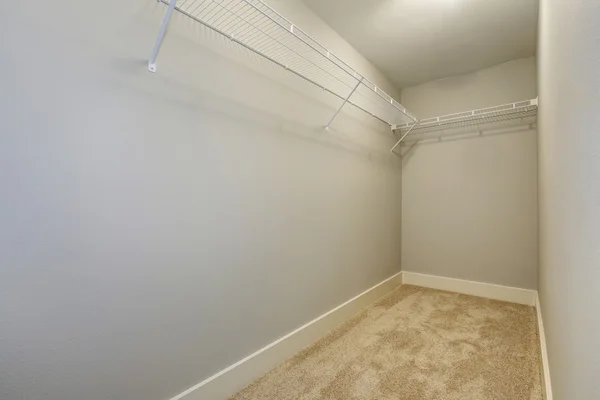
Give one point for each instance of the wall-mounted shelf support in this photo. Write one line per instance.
(343, 104)
(161, 36)
(403, 136)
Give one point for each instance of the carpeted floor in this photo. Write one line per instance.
(416, 344)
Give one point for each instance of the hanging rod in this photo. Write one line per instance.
(259, 28)
(522, 110)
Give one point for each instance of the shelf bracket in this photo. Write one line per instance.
(403, 136)
(343, 104)
(161, 35)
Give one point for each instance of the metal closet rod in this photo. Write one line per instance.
(385, 99)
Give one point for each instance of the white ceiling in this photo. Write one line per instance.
(416, 41)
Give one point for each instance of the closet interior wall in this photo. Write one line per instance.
(157, 228)
(569, 149)
(469, 204)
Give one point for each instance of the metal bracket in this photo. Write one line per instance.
(343, 104)
(403, 136)
(161, 35)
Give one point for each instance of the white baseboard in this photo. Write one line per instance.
(488, 290)
(235, 377)
(547, 385)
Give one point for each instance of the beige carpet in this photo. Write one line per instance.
(417, 344)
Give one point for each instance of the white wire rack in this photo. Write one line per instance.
(525, 111)
(259, 28)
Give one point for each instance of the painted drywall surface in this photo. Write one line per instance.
(469, 204)
(312, 24)
(157, 228)
(569, 189)
(505, 83)
(417, 41)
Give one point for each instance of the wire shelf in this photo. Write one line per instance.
(523, 110)
(259, 28)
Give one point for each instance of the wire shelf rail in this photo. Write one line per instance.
(259, 28)
(525, 111)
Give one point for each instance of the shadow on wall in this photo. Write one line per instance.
(409, 147)
(407, 150)
(342, 136)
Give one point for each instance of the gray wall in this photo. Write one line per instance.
(157, 228)
(469, 203)
(569, 154)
